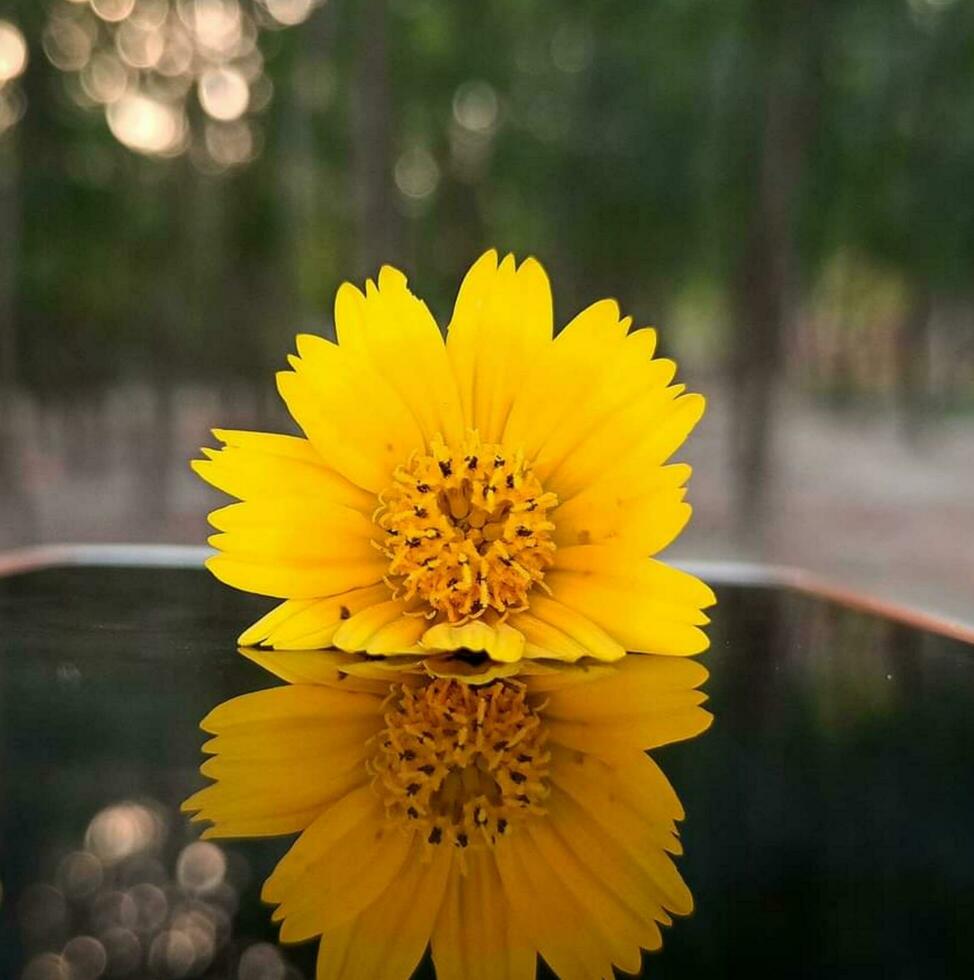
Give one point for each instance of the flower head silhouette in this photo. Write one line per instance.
(501, 491)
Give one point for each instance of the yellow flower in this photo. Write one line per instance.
(494, 822)
(501, 491)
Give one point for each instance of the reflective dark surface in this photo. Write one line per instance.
(829, 825)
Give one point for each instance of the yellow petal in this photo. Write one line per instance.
(562, 633)
(475, 936)
(552, 675)
(281, 756)
(622, 931)
(638, 800)
(310, 624)
(258, 465)
(607, 857)
(271, 621)
(280, 706)
(633, 428)
(634, 686)
(285, 580)
(282, 522)
(643, 604)
(356, 809)
(388, 939)
(465, 672)
(644, 518)
(563, 374)
(626, 391)
(287, 549)
(329, 667)
(644, 702)
(640, 873)
(399, 637)
(543, 640)
(501, 323)
(399, 335)
(548, 914)
(638, 467)
(499, 641)
(379, 628)
(326, 393)
(338, 867)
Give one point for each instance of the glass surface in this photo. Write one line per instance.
(828, 828)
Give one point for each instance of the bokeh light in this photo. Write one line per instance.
(141, 61)
(262, 961)
(79, 875)
(475, 107)
(122, 830)
(172, 954)
(123, 950)
(224, 93)
(13, 103)
(104, 79)
(112, 10)
(135, 902)
(68, 41)
(571, 49)
(417, 173)
(201, 867)
(138, 46)
(289, 12)
(147, 125)
(13, 61)
(47, 966)
(13, 52)
(85, 957)
(230, 144)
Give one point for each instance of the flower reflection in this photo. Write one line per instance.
(144, 62)
(493, 821)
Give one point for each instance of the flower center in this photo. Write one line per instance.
(466, 530)
(462, 764)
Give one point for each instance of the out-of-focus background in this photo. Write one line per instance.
(785, 189)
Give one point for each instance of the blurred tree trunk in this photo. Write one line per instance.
(300, 172)
(378, 218)
(15, 505)
(913, 361)
(762, 288)
(10, 217)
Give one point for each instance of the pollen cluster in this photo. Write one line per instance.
(466, 530)
(461, 764)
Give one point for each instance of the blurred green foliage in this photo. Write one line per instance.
(708, 163)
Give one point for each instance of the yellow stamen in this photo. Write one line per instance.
(466, 530)
(462, 764)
